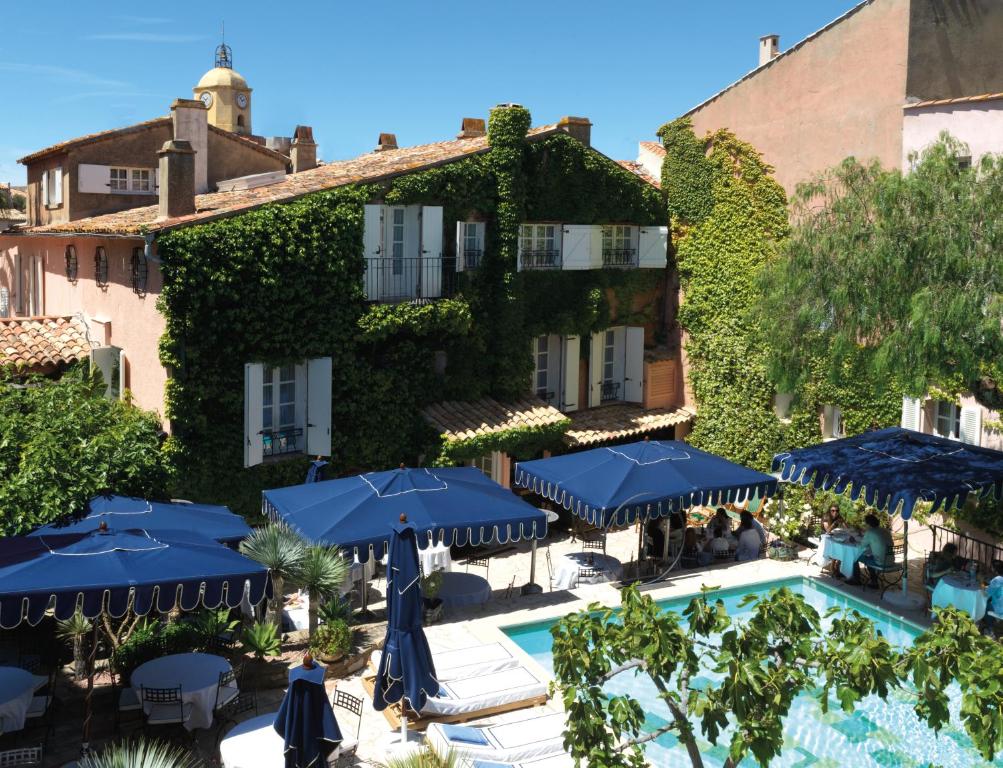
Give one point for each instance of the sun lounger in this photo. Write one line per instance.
(466, 662)
(485, 692)
(507, 743)
(556, 760)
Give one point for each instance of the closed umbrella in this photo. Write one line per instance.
(316, 472)
(305, 720)
(406, 673)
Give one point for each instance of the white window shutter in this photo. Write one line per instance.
(45, 187)
(595, 248)
(318, 407)
(652, 247)
(254, 374)
(554, 368)
(57, 197)
(372, 247)
(633, 377)
(431, 251)
(460, 240)
(94, 179)
(569, 365)
(122, 378)
(971, 425)
(911, 409)
(595, 368)
(577, 246)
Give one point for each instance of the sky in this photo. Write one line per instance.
(355, 70)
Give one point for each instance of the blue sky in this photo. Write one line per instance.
(353, 70)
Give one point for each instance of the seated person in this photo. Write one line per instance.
(720, 520)
(995, 590)
(749, 541)
(693, 554)
(877, 543)
(676, 521)
(832, 521)
(655, 538)
(942, 563)
(756, 525)
(719, 544)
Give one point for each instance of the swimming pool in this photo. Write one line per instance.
(883, 734)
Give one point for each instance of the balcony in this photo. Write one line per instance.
(610, 392)
(472, 259)
(406, 279)
(279, 442)
(550, 259)
(619, 258)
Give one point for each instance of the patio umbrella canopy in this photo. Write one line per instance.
(458, 505)
(613, 486)
(125, 512)
(894, 468)
(307, 725)
(112, 570)
(406, 671)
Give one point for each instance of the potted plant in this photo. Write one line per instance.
(331, 641)
(430, 586)
(784, 522)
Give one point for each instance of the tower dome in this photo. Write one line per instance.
(225, 94)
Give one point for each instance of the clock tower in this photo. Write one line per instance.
(225, 94)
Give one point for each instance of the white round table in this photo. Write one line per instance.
(17, 687)
(435, 558)
(567, 569)
(253, 743)
(838, 548)
(459, 590)
(957, 591)
(196, 673)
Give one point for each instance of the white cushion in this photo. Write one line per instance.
(167, 714)
(128, 700)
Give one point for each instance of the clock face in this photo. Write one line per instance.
(206, 98)
(242, 100)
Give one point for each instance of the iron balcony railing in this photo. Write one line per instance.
(983, 552)
(547, 259)
(610, 391)
(404, 279)
(472, 259)
(281, 441)
(619, 257)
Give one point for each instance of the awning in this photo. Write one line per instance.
(896, 466)
(612, 423)
(458, 420)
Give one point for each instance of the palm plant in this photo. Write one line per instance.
(140, 754)
(322, 572)
(75, 629)
(262, 639)
(281, 551)
(425, 757)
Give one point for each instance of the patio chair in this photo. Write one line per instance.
(243, 702)
(126, 700)
(462, 663)
(509, 742)
(595, 540)
(21, 756)
(479, 562)
(166, 707)
(349, 744)
(550, 570)
(510, 588)
(890, 574)
(588, 572)
(226, 689)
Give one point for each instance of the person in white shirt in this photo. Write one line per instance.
(749, 543)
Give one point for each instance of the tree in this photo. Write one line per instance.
(765, 661)
(321, 573)
(905, 266)
(280, 550)
(62, 442)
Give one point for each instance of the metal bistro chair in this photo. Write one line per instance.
(890, 574)
(510, 588)
(243, 702)
(595, 541)
(550, 570)
(126, 700)
(589, 572)
(479, 562)
(21, 756)
(226, 689)
(166, 707)
(354, 705)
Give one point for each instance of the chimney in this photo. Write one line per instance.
(303, 150)
(177, 179)
(578, 128)
(387, 141)
(472, 128)
(191, 124)
(769, 48)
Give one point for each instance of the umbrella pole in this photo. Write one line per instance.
(85, 747)
(532, 588)
(905, 556)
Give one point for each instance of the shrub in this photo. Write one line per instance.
(262, 639)
(332, 639)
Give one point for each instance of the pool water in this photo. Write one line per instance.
(883, 734)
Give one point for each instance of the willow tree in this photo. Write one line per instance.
(904, 266)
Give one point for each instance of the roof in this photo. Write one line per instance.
(224, 76)
(42, 343)
(640, 170)
(458, 420)
(370, 167)
(619, 421)
(115, 133)
(653, 146)
(960, 100)
(797, 46)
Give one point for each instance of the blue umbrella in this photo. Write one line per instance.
(316, 472)
(306, 722)
(124, 512)
(406, 673)
(613, 486)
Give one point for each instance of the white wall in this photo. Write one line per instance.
(977, 124)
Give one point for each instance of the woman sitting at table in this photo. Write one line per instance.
(655, 538)
(694, 555)
(749, 542)
(942, 563)
(719, 521)
(832, 521)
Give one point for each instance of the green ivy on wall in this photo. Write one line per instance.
(728, 216)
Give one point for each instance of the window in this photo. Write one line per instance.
(126, 180)
(485, 464)
(52, 187)
(72, 267)
(101, 267)
(832, 423)
(538, 246)
(140, 271)
(4, 301)
(472, 247)
(542, 365)
(964, 162)
(140, 180)
(618, 246)
(947, 420)
(397, 240)
(119, 180)
(608, 357)
(278, 411)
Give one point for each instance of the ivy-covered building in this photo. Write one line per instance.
(474, 300)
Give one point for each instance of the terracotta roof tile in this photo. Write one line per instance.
(464, 420)
(960, 100)
(90, 138)
(42, 343)
(653, 146)
(641, 171)
(366, 168)
(615, 422)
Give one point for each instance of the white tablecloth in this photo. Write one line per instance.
(196, 673)
(434, 558)
(254, 743)
(17, 687)
(844, 551)
(956, 591)
(566, 569)
(462, 589)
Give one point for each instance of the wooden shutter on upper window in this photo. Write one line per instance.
(971, 425)
(318, 407)
(576, 246)
(57, 180)
(372, 248)
(652, 247)
(912, 409)
(596, 349)
(254, 374)
(45, 188)
(94, 179)
(569, 373)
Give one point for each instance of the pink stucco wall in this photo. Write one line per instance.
(116, 315)
(977, 124)
(838, 94)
